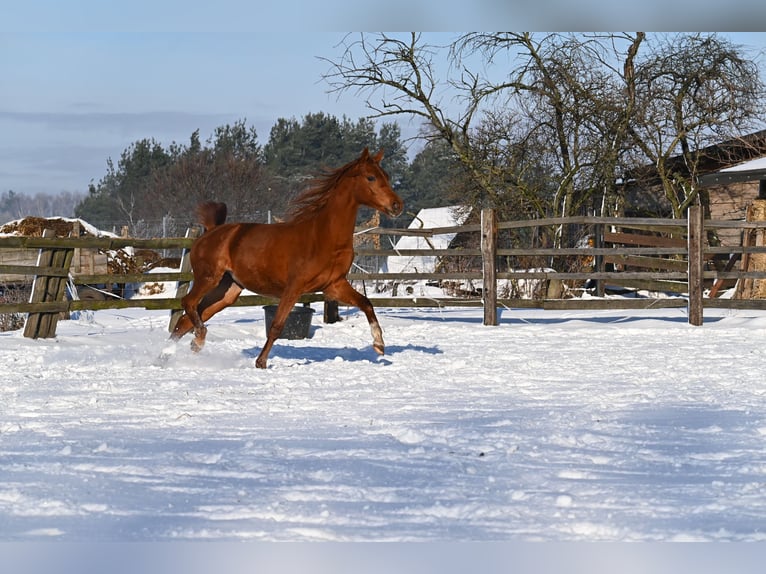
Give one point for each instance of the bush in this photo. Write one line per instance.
(13, 294)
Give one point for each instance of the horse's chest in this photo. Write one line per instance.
(341, 262)
(335, 265)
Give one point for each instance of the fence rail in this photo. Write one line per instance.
(634, 248)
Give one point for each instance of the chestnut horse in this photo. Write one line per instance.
(311, 251)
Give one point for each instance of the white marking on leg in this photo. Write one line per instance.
(377, 338)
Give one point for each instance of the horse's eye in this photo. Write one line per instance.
(370, 178)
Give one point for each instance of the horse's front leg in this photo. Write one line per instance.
(342, 291)
(277, 324)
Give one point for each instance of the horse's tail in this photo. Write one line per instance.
(211, 214)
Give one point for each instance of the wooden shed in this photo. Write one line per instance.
(729, 196)
(752, 174)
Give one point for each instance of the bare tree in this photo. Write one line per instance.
(569, 89)
(570, 116)
(403, 73)
(533, 140)
(692, 91)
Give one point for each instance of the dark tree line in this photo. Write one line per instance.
(154, 190)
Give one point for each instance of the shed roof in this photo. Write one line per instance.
(752, 170)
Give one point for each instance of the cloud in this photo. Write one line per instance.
(155, 124)
(50, 152)
(52, 169)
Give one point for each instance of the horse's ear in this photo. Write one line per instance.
(365, 154)
(378, 156)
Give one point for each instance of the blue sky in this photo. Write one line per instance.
(82, 80)
(71, 100)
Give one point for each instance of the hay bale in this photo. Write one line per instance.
(34, 227)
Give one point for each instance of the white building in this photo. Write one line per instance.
(427, 219)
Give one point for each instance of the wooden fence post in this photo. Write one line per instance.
(599, 266)
(488, 263)
(696, 263)
(183, 286)
(331, 311)
(45, 289)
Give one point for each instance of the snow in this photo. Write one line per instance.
(552, 426)
(757, 163)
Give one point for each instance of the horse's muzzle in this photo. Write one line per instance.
(396, 209)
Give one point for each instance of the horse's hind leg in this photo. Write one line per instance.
(214, 301)
(190, 303)
(342, 291)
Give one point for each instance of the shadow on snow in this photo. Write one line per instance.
(317, 354)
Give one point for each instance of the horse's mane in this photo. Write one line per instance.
(313, 199)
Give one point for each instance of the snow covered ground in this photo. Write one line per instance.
(553, 426)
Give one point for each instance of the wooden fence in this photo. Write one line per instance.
(663, 255)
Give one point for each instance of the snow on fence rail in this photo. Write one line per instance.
(618, 255)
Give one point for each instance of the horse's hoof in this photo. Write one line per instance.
(379, 349)
(196, 346)
(260, 364)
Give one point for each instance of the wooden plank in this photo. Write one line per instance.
(641, 239)
(106, 243)
(590, 251)
(476, 275)
(634, 222)
(745, 248)
(611, 304)
(132, 278)
(154, 304)
(18, 256)
(647, 262)
(416, 252)
(658, 286)
(734, 224)
(28, 271)
(679, 229)
(735, 303)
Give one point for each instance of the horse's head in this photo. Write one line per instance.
(372, 187)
